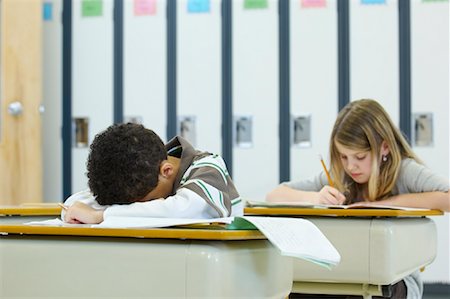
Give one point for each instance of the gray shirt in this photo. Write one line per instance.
(413, 178)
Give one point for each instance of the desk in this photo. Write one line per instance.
(377, 247)
(29, 212)
(83, 262)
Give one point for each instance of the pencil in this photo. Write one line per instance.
(62, 206)
(330, 182)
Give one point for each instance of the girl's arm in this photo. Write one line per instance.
(428, 200)
(327, 195)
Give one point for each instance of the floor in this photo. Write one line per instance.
(433, 294)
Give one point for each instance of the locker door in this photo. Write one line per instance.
(374, 62)
(430, 95)
(255, 97)
(199, 86)
(52, 101)
(145, 61)
(314, 85)
(92, 67)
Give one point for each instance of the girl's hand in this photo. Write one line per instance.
(330, 196)
(82, 213)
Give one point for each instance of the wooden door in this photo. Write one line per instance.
(20, 98)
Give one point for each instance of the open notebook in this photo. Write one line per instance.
(307, 205)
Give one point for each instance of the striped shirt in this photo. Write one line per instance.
(202, 189)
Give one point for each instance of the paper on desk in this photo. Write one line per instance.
(148, 222)
(51, 222)
(298, 238)
(134, 222)
(55, 222)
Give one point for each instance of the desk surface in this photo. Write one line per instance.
(37, 209)
(49, 209)
(193, 233)
(292, 211)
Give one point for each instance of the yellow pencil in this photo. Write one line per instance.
(62, 206)
(330, 182)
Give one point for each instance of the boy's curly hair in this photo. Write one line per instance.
(123, 163)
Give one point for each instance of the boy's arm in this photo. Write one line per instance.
(85, 198)
(184, 204)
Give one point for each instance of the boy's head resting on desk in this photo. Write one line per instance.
(129, 163)
(367, 148)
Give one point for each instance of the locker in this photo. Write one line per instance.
(374, 54)
(92, 78)
(199, 74)
(255, 96)
(314, 83)
(430, 95)
(145, 65)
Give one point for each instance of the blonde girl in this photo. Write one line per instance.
(371, 162)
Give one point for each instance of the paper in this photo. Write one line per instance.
(148, 222)
(135, 222)
(144, 7)
(92, 8)
(298, 238)
(373, 1)
(313, 3)
(255, 4)
(198, 6)
(47, 11)
(55, 222)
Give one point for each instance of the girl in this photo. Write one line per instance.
(371, 162)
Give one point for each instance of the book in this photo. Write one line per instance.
(308, 205)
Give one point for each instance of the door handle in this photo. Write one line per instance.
(15, 108)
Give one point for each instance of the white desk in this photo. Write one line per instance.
(45, 262)
(375, 250)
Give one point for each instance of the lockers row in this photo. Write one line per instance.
(221, 75)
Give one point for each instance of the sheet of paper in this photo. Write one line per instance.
(135, 222)
(147, 222)
(55, 222)
(298, 238)
(51, 222)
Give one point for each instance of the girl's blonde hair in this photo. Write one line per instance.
(363, 125)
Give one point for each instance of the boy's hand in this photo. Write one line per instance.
(82, 213)
(330, 196)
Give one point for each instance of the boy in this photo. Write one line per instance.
(131, 173)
